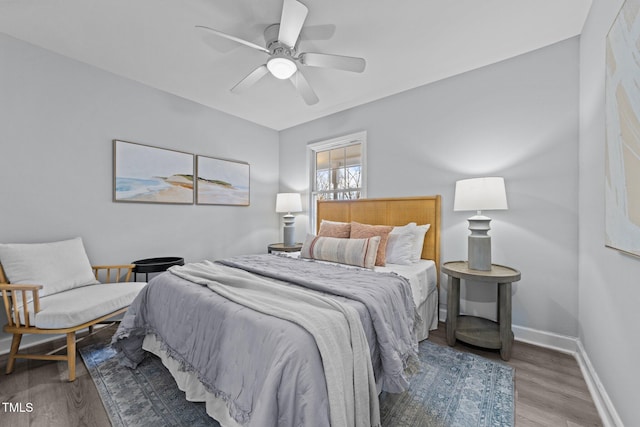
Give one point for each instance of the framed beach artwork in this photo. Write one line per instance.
(222, 182)
(146, 174)
(622, 155)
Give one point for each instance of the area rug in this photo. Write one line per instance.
(448, 388)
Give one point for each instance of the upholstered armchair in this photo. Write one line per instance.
(51, 288)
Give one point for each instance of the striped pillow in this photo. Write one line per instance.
(359, 252)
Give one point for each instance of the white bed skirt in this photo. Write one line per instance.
(429, 314)
(189, 383)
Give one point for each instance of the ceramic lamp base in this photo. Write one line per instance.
(479, 243)
(289, 230)
(479, 253)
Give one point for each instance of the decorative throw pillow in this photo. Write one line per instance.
(418, 242)
(57, 266)
(359, 252)
(340, 230)
(363, 231)
(400, 245)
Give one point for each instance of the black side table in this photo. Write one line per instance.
(154, 265)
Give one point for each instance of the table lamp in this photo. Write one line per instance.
(479, 194)
(288, 202)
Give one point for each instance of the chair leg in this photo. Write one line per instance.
(15, 344)
(71, 355)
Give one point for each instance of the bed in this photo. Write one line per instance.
(263, 354)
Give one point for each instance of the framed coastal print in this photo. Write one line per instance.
(622, 155)
(222, 182)
(146, 174)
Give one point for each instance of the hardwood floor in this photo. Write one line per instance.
(55, 401)
(550, 389)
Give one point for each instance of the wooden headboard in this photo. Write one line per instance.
(392, 211)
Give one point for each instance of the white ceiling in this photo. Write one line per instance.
(407, 43)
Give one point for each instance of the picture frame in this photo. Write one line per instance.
(222, 181)
(147, 174)
(622, 151)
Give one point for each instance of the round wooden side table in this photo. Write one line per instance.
(281, 247)
(477, 330)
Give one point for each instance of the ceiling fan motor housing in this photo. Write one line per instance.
(282, 58)
(273, 44)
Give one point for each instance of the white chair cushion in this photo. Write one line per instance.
(57, 266)
(80, 305)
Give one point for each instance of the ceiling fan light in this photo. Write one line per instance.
(281, 68)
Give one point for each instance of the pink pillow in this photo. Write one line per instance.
(364, 231)
(340, 230)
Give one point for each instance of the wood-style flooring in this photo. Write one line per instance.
(550, 389)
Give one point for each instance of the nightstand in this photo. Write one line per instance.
(477, 330)
(280, 247)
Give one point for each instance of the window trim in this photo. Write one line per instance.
(329, 144)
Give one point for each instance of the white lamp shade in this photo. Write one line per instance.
(288, 202)
(479, 194)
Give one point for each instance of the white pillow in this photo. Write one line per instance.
(359, 252)
(418, 235)
(400, 245)
(57, 266)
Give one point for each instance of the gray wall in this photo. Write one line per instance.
(57, 120)
(517, 119)
(609, 280)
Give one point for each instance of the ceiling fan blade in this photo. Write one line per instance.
(302, 86)
(346, 63)
(318, 32)
(293, 15)
(251, 79)
(234, 38)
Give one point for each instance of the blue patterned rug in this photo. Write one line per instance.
(448, 388)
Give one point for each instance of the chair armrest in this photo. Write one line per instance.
(11, 305)
(119, 269)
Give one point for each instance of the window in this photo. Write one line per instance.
(337, 170)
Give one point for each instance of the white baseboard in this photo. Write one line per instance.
(550, 340)
(573, 346)
(604, 405)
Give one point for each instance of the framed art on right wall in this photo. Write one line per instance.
(622, 155)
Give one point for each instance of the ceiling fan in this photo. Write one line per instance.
(284, 60)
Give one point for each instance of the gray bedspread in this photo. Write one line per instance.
(264, 367)
(387, 298)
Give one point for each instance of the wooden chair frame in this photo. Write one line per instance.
(14, 326)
